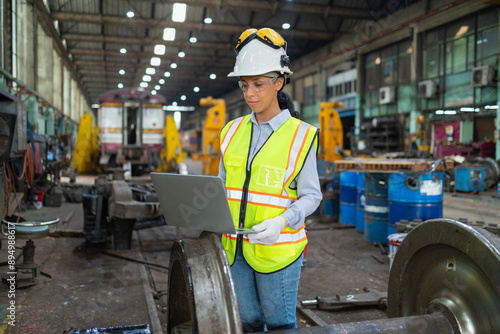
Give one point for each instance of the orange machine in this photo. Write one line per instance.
(214, 122)
(331, 140)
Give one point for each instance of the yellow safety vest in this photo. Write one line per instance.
(264, 191)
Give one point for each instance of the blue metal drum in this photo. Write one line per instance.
(414, 196)
(360, 203)
(347, 207)
(329, 200)
(376, 209)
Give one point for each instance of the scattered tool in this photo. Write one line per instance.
(368, 298)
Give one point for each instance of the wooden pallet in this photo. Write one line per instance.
(392, 165)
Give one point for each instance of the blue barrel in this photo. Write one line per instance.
(347, 202)
(376, 209)
(360, 203)
(414, 196)
(330, 203)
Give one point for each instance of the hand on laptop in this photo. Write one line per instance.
(269, 231)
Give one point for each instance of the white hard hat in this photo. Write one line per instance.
(257, 58)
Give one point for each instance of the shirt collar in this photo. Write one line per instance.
(276, 121)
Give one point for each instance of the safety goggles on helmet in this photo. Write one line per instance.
(266, 35)
(257, 86)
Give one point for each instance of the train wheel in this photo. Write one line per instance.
(201, 296)
(449, 267)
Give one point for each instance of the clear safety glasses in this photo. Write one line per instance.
(265, 35)
(256, 86)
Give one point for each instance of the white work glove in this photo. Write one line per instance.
(269, 231)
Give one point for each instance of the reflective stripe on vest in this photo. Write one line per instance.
(228, 136)
(260, 199)
(284, 238)
(298, 143)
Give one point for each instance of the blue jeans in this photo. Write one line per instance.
(266, 300)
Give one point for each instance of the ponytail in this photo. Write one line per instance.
(285, 102)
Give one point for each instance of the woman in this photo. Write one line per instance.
(268, 165)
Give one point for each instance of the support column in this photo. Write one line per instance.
(497, 119)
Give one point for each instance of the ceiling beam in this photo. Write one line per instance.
(147, 55)
(145, 62)
(184, 26)
(137, 40)
(267, 6)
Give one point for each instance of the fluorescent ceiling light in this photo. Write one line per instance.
(130, 14)
(159, 49)
(439, 112)
(161, 81)
(174, 104)
(450, 112)
(120, 85)
(169, 34)
(196, 89)
(193, 39)
(178, 108)
(491, 107)
(183, 97)
(95, 105)
(179, 12)
(469, 109)
(181, 54)
(122, 72)
(153, 92)
(150, 70)
(146, 78)
(143, 84)
(207, 20)
(213, 76)
(286, 26)
(173, 65)
(123, 50)
(155, 61)
(167, 74)
(461, 31)
(157, 87)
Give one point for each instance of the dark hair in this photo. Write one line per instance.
(285, 102)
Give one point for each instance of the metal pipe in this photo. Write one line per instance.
(435, 323)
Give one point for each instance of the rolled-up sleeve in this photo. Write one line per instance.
(308, 193)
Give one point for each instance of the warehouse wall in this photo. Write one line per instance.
(38, 66)
(402, 42)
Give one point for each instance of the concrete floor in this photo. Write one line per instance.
(90, 290)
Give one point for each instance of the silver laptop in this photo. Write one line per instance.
(196, 202)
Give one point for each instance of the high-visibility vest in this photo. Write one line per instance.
(264, 191)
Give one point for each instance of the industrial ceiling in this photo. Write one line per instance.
(110, 43)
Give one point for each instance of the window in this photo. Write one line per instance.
(309, 95)
(338, 90)
(330, 91)
(487, 43)
(347, 87)
(431, 62)
(388, 66)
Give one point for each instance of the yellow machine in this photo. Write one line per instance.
(86, 154)
(331, 137)
(214, 122)
(171, 153)
(421, 133)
